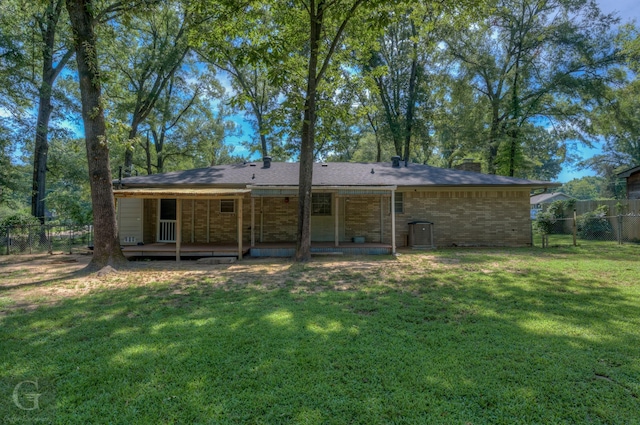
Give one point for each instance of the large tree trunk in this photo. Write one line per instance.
(392, 117)
(128, 154)
(147, 152)
(515, 105)
(49, 26)
(411, 101)
(106, 241)
(263, 137)
(492, 151)
(316, 17)
(303, 242)
(40, 153)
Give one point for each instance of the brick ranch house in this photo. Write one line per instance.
(357, 208)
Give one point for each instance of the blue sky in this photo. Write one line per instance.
(628, 10)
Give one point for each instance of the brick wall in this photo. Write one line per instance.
(187, 222)
(150, 224)
(362, 217)
(460, 217)
(200, 213)
(468, 218)
(280, 219)
(223, 227)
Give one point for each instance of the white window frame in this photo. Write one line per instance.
(321, 204)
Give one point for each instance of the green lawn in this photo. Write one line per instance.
(453, 337)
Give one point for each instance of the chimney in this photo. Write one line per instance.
(469, 164)
(266, 162)
(395, 161)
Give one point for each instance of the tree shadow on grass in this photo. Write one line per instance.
(434, 348)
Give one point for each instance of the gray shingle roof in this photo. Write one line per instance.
(627, 173)
(329, 174)
(549, 197)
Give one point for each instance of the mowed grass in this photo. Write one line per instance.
(448, 337)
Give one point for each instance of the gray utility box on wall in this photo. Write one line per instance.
(421, 235)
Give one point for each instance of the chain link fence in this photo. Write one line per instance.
(32, 239)
(588, 228)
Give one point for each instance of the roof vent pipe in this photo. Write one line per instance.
(266, 162)
(395, 161)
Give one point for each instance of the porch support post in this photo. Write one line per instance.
(239, 228)
(193, 220)
(158, 220)
(393, 222)
(253, 221)
(381, 219)
(118, 215)
(337, 225)
(208, 220)
(178, 227)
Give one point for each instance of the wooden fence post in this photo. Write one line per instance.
(619, 229)
(575, 228)
(50, 244)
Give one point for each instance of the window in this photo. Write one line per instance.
(320, 204)
(399, 203)
(227, 205)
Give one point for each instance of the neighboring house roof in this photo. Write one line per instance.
(328, 174)
(627, 173)
(545, 198)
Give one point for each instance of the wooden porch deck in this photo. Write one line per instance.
(288, 249)
(283, 249)
(186, 250)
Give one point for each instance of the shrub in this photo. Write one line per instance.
(544, 222)
(551, 222)
(562, 209)
(594, 224)
(18, 219)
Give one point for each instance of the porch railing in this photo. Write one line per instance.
(167, 231)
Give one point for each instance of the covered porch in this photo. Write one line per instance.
(344, 219)
(255, 220)
(170, 239)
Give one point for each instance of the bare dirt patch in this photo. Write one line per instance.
(28, 281)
